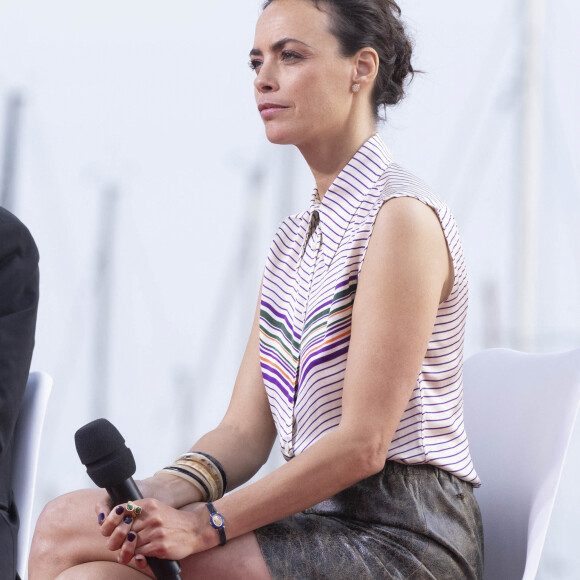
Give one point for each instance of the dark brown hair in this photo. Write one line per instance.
(376, 24)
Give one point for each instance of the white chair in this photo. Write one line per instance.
(520, 411)
(26, 451)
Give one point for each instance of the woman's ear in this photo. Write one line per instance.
(366, 62)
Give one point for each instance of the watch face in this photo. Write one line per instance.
(217, 520)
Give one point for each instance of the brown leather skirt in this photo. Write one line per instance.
(407, 522)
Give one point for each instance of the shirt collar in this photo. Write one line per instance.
(354, 185)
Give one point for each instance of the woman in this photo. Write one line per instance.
(354, 357)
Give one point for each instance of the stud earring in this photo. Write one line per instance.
(355, 88)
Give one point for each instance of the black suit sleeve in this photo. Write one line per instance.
(18, 307)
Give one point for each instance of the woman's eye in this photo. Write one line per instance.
(254, 64)
(290, 55)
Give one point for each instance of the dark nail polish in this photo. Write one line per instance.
(127, 519)
(131, 536)
(101, 518)
(120, 509)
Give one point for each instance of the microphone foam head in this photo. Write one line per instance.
(102, 450)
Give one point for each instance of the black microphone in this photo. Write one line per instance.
(110, 464)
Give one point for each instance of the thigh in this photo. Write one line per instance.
(100, 570)
(240, 559)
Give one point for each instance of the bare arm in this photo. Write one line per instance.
(241, 442)
(406, 274)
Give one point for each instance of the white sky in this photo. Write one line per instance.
(157, 99)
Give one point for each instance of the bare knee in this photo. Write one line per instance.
(65, 527)
(50, 533)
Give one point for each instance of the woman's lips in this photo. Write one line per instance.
(270, 109)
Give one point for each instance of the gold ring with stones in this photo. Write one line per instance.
(132, 509)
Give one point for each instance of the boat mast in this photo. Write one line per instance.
(531, 170)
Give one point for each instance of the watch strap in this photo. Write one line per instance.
(217, 521)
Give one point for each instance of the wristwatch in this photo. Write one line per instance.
(217, 521)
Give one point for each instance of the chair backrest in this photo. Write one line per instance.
(26, 450)
(520, 411)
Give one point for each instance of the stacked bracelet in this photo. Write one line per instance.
(204, 472)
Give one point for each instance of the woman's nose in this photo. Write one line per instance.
(265, 81)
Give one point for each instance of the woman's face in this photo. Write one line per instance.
(303, 84)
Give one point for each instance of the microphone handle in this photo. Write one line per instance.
(128, 491)
(124, 492)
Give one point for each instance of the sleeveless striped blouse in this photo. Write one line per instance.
(308, 291)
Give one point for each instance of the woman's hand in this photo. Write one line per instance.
(103, 505)
(160, 531)
(151, 487)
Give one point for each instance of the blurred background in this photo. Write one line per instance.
(132, 149)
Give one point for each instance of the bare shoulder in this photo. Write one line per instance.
(410, 216)
(408, 239)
